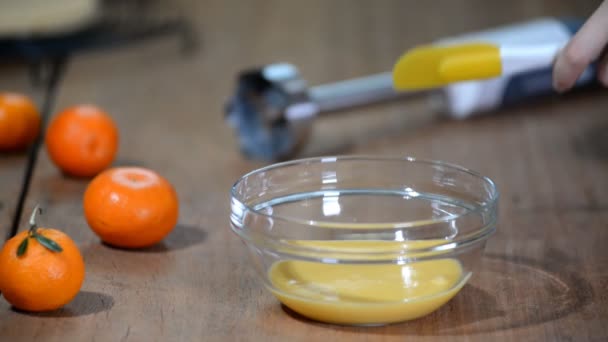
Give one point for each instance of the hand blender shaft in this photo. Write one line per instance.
(352, 93)
(273, 109)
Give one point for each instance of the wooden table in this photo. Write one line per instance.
(545, 272)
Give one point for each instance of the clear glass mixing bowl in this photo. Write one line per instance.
(364, 240)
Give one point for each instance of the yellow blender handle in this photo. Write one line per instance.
(431, 66)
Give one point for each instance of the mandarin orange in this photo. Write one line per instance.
(19, 122)
(82, 140)
(131, 207)
(40, 269)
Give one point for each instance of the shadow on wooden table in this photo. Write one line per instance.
(182, 236)
(543, 291)
(594, 143)
(85, 303)
(369, 125)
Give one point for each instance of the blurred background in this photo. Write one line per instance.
(176, 62)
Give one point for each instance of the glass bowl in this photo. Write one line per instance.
(364, 240)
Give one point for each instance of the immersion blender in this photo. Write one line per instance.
(272, 110)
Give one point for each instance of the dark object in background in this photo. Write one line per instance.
(114, 23)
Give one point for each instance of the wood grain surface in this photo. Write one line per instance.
(545, 271)
(13, 78)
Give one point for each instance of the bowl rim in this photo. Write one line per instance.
(482, 232)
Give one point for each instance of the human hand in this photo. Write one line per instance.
(584, 47)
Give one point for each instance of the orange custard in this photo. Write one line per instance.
(366, 294)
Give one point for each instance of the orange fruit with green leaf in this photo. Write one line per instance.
(41, 269)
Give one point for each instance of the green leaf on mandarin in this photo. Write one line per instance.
(22, 246)
(48, 243)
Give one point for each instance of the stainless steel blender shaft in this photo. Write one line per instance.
(355, 92)
(272, 110)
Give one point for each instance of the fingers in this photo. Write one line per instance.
(583, 48)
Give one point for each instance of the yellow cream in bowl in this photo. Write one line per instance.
(366, 294)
